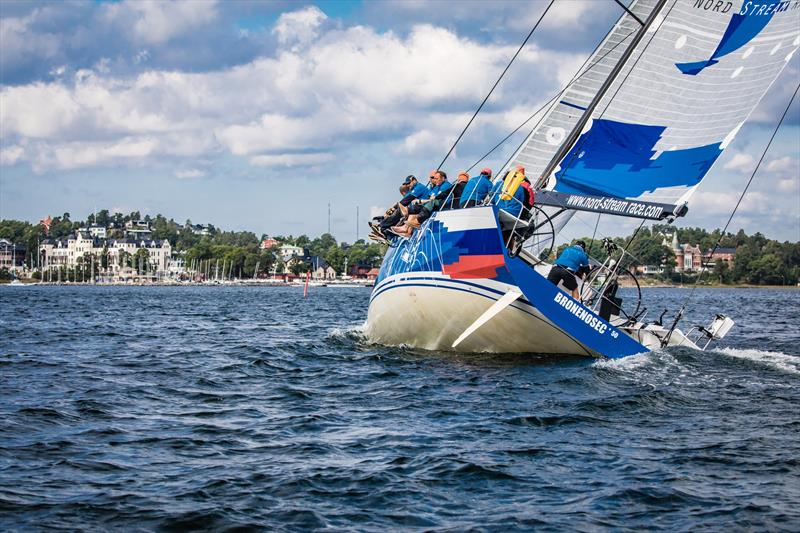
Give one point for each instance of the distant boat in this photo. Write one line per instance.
(667, 91)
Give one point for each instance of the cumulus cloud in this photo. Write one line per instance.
(83, 154)
(299, 27)
(155, 22)
(785, 164)
(352, 85)
(740, 162)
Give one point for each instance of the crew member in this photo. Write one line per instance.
(571, 264)
(416, 191)
(477, 188)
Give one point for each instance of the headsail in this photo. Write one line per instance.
(680, 99)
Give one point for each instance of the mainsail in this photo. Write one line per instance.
(679, 100)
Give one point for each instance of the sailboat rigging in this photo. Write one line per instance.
(634, 139)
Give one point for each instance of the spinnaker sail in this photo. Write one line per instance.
(680, 99)
(545, 140)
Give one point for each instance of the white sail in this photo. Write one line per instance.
(543, 143)
(680, 99)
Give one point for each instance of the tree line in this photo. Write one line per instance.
(758, 260)
(239, 251)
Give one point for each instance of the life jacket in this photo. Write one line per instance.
(511, 183)
(529, 194)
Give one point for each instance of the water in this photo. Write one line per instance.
(172, 408)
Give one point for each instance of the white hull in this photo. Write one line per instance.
(429, 311)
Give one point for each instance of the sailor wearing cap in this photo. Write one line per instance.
(477, 188)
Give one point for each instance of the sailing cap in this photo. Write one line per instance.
(409, 178)
(487, 171)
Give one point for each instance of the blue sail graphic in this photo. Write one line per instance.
(618, 159)
(740, 31)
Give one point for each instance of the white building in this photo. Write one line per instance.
(138, 229)
(287, 251)
(120, 252)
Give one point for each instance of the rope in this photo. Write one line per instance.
(730, 218)
(496, 84)
(546, 104)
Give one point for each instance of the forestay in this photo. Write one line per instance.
(680, 99)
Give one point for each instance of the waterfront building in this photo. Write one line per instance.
(12, 256)
(726, 255)
(115, 253)
(320, 269)
(688, 258)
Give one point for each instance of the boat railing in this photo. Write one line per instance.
(530, 229)
(599, 290)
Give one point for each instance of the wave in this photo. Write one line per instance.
(777, 360)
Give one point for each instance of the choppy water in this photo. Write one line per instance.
(219, 408)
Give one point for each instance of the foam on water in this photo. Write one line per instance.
(777, 360)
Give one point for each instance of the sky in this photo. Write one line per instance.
(258, 115)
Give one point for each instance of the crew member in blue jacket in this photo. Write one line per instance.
(416, 191)
(513, 206)
(570, 264)
(477, 188)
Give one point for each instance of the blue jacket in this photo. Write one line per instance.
(419, 192)
(573, 258)
(442, 190)
(513, 206)
(476, 189)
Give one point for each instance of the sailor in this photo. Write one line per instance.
(572, 262)
(453, 201)
(421, 210)
(477, 188)
(416, 191)
(529, 196)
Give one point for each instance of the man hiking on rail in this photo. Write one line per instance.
(570, 264)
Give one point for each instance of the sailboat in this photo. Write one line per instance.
(633, 135)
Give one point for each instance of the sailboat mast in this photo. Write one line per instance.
(572, 138)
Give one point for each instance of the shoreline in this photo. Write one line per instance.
(354, 284)
(314, 284)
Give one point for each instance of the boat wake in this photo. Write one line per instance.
(352, 333)
(776, 360)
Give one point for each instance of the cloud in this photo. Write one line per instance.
(299, 27)
(10, 155)
(291, 160)
(190, 174)
(740, 162)
(80, 154)
(789, 185)
(785, 164)
(155, 22)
